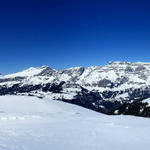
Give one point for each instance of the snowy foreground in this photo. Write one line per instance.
(29, 123)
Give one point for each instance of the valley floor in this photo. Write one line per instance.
(29, 123)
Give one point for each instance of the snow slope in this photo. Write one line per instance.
(29, 123)
(29, 72)
(147, 101)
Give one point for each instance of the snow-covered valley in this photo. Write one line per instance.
(30, 123)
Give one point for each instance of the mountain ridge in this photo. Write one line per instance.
(101, 88)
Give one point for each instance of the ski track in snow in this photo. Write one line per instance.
(51, 125)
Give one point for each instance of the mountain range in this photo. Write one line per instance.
(117, 88)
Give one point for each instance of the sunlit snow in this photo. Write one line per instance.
(29, 123)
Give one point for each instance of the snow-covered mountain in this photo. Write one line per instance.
(30, 123)
(102, 88)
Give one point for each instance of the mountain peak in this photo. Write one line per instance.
(29, 72)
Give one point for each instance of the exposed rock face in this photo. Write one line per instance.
(104, 83)
(101, 88)
(46, 72)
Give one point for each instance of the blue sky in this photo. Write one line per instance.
(66, 33)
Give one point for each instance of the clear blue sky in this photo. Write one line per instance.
(66, 33)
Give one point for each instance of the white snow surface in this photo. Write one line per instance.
(147, 101)
(29, 123)
(29, 72)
